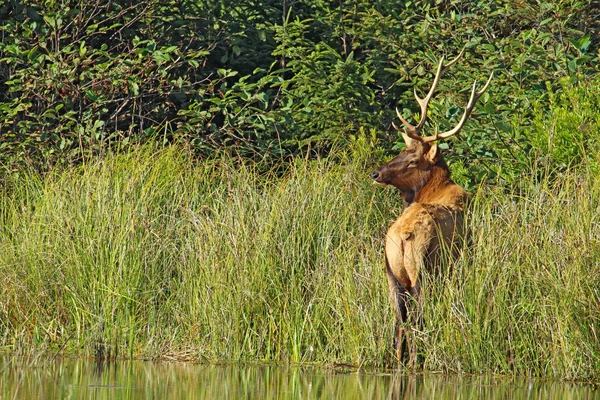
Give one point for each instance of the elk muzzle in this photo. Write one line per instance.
(378, 178)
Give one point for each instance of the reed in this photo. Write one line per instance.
(152, 254)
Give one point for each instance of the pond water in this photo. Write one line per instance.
(85, 379)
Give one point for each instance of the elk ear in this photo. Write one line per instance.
(433, 155)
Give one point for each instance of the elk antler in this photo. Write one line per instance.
(413, 132)
(470, 106)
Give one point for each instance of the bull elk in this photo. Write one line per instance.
(433, 213)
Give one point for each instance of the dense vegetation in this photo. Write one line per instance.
(278, 78)
(188, 179)
(148, 255)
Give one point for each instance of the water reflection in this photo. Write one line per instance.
(75, 379)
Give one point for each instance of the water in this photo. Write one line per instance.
(85, 379)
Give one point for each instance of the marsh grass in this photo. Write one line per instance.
(525, 297)
(154, 255)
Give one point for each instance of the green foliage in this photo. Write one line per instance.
(269, 79)
(567, 132)
(328, 94)
(214, 260)
(80, 76)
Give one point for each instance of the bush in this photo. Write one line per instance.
(269, 80)
(567, 131)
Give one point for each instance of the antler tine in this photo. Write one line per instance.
(405, 122)
(470, 106)
(424, 103)
(451, 63)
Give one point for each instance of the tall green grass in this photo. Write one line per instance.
(149, 254)
(152, 254)
(525, 298)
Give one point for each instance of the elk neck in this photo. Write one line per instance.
(435, 185)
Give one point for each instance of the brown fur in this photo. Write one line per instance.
(433, 215)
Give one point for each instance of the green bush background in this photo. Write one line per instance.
(273, 79)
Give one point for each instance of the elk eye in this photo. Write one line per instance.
(413, 163)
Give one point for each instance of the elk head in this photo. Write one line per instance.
(411, 169)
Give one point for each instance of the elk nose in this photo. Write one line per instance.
(374, 175)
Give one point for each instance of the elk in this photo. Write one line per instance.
(433, 216)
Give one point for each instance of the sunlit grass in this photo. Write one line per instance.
(524, 299)
(152, 254)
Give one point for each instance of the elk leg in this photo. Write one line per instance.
(398, 299)
(417, 321)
